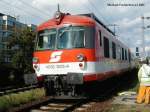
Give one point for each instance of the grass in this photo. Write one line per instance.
(15, 99)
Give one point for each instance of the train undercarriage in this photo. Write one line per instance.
(59, 85)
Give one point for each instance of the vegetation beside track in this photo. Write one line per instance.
(15, 99)
(21, 44)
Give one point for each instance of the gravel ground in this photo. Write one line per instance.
(114, 105)
(129, 108)
(98, 106)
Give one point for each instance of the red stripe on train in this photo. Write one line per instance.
(66, 56)
(103, 76)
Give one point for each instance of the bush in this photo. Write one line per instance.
(10, 76)
(14, 99)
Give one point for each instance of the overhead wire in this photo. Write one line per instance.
(36, 9)
(97, 10)
(44, 13)
(86, 7)
(5, 8)
(27, 12)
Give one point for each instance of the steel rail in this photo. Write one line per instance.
(10, 90)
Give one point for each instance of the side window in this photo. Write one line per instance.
(122, 53)
(113, 50)
(125, 54)
(106, 47)
(119, 52)
(100, 38)
(129, 55)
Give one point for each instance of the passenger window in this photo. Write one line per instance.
(100, 38)
(106, 47)
(122, 53)
(125, 54)
(119, 52)
(129, 55)
(113, 50)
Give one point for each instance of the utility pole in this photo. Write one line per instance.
(143, 32)
(143, 36)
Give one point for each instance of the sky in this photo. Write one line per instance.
(127, 18)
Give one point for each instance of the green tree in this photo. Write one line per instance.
(22, 45)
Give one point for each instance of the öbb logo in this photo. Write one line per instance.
(55, 56)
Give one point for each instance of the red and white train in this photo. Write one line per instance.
(73, 50)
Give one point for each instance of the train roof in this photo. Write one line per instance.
(67, 19)
(91, 15)
(75, 18)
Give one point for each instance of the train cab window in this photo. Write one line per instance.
(122, 53)
(113, 50)
(106, 47)
(71, 37)
(46, 39)
(125, 54)
(75, 37)
(100, 38)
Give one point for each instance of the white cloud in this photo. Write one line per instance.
(138, 42)
(53, 3)
(147, 48)
(127, 22)
(147, 37)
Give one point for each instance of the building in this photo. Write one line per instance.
(8, 26)
(1, 45)
(137, 52)
(1, 20)
(32, 26)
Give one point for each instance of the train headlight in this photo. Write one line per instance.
(81, 57)
(35, 60)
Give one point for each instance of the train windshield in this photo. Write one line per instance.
(71, 37)
(66, 38)
(47, 39)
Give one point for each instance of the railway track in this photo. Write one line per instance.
(8, 90)
(60, 105)
(72, 105)
(68, 104)
(51, 104)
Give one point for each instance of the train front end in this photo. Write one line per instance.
(64, 56)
